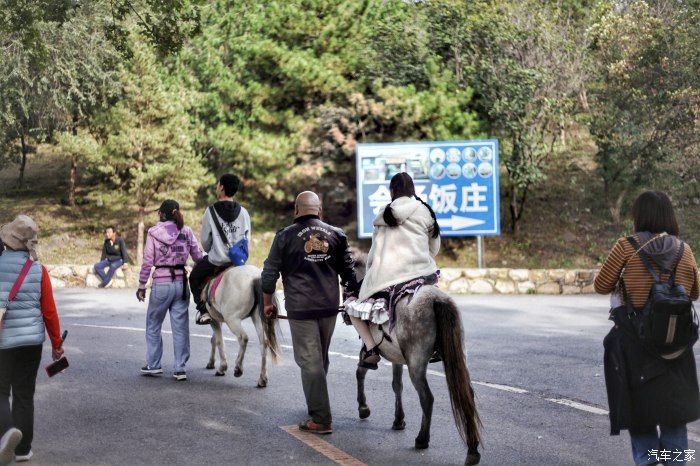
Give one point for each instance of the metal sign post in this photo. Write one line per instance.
(480, 252)
(459, 179)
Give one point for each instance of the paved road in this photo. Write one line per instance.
(524, 352)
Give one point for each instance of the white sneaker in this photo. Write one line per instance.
(8, 443)
(23, 458)
(145, 370)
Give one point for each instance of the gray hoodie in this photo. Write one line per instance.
(662, 251)
(235, 221)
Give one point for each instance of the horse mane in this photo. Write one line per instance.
(359, 257)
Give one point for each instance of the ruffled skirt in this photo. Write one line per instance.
(372, 310)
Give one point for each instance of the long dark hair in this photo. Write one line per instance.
(653, 212)
(402, 185)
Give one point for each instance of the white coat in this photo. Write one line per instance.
(403, 252)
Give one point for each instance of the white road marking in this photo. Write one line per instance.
(578, 405)
(506, 388)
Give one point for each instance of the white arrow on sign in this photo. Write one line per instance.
(457, 222)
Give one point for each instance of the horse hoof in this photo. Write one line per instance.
(364, 412)
(473, 458)
(262, 383)
(399, 425)
(220, 374)
(237, 372)
(422, 445)
(210, 365)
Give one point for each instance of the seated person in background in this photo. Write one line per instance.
(114, 255)
(233, 220)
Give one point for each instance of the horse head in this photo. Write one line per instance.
(359, 258)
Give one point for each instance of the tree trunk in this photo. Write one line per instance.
(616, 208)
(515, 211)
(142, 211)
(23, 164)
(71, 184)
(459, 68)
(73, 170)
(139, 244)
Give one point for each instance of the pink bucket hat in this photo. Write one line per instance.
(21, 235)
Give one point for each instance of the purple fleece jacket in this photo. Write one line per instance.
(166, 245)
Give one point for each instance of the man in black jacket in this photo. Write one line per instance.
(310, 255)
(114, 255)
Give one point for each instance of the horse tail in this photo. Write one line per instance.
(449, 341)
(268, 324)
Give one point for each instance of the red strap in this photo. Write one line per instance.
(18, 284)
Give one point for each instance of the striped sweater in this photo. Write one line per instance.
(637, 278)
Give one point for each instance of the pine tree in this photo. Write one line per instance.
(146, 140)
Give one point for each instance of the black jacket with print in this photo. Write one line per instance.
(310, 255)
(115, 251)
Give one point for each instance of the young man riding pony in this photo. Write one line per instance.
(224, 216)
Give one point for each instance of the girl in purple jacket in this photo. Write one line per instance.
(168, 245)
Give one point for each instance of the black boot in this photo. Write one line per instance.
(369, 359)
(203, 317)
(435, 357)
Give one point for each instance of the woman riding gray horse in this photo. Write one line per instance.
(405, 241)
(403, 317)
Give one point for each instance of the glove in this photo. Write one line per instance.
(141, 294)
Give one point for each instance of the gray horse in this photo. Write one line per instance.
(428, 321)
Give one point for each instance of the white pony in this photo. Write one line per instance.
(239, 296)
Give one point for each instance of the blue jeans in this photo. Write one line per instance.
(167, 297)
(648, 447)
(113, 266)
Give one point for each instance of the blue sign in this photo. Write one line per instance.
(459, 179)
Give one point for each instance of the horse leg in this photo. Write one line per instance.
(212, 356)
(361, 400)
(397, 385)
(417, 370)
(262, 381)
(235, 325)
(223, 361)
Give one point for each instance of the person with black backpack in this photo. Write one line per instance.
(650, 371)
(225, 234)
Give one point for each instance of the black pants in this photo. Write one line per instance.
(200, 272)
(18, 368)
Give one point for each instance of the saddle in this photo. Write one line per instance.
(212, 284)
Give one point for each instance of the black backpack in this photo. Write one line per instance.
(667, 324)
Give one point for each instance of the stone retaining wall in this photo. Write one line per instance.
(461, 281)
(517, 281)
(63, 276)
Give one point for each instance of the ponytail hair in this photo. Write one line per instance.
(389, 218)
(400, 185)
(435, 230)
(178, 219)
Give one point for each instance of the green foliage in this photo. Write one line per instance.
(645, 95)
(521, 60)
(57, 86)
(285, 90)
(145, 139)
(166, 24)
